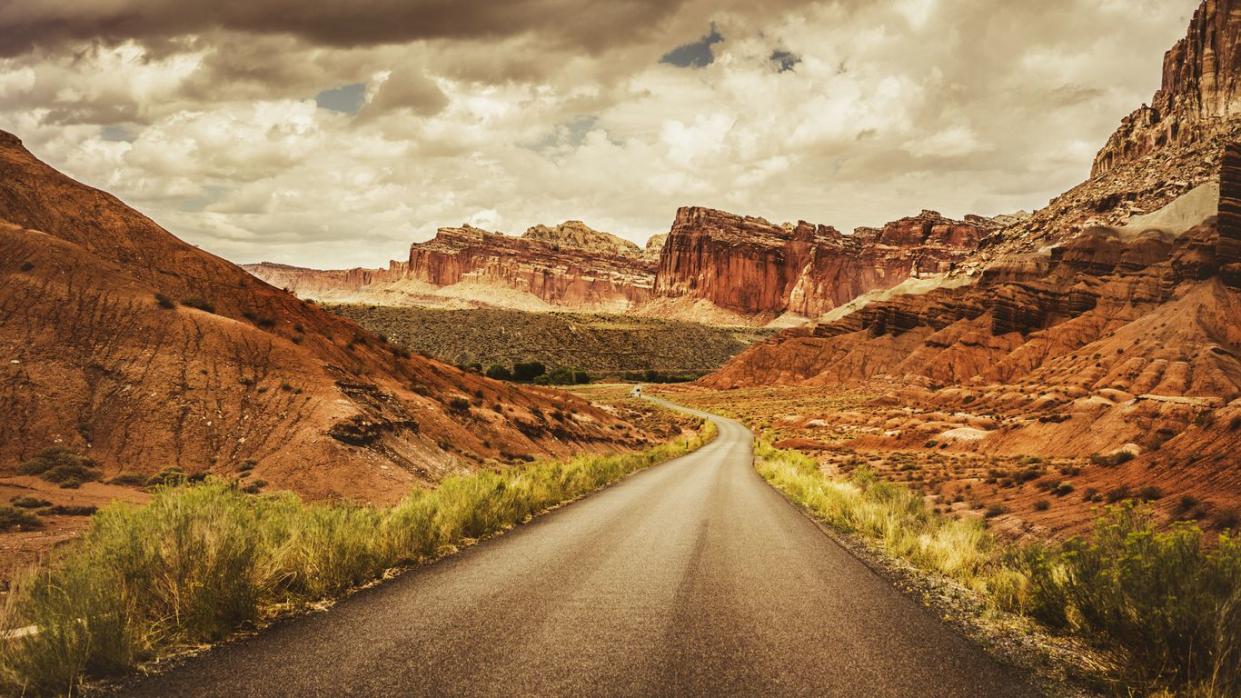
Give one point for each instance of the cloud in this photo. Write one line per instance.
(847, 112)
(784, 60)
(27, 24)
(696, 54)
(409, 89)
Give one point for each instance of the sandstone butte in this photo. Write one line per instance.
(126, 344)
(1110, 319)
(711, 265)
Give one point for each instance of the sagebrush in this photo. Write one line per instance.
(201, 560)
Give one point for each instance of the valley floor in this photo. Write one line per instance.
(1022, 494)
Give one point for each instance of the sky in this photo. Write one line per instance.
(325, 135)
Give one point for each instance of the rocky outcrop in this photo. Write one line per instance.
(576, 235)
(755, 268)
(566, 267)
(562, 274)
(1228, 253)
(654, 247)
(1201, 90)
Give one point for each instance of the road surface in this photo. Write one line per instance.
(691, 578)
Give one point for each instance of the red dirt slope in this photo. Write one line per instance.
(91, 360)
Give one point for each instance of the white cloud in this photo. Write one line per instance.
(995, 111)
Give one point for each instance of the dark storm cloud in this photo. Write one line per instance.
(784, 60)
(26, 24)
(696, 54)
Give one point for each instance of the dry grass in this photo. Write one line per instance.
(1168, 600)
(202, 560)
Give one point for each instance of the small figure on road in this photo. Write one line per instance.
(637, 391)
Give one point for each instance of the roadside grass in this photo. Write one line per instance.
(1168, 601)
(200, 561)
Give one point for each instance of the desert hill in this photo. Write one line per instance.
(1107, 325)
(123, 343)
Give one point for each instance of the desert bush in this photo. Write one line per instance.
(201, 560)
(527, 371)
(12, 518)
(171, 475)
(1172, 602)
(129, 480)
(1150, 493)
(1111, 460)
(165, 302)
(198, 303)
(69, 510)
(61, 466)
(1169, 601)
(500, 373)
(25, 502)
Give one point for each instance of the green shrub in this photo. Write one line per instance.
(1172, 602)
(129, 480)
(61, 466)
(29, 502)
(500, 373)
(527, 371)
(171, 475)
(11, 518)
(1111, 460)
(198, 303)
(69, 510)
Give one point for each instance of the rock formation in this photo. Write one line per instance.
(562, 271)
(122, 342)
(754, 268)
(567, 267)
(576, 235)
(1201, 90)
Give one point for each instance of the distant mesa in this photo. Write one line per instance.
(711, 266)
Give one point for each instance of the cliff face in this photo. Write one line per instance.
(754, 268)
(567, 267)
(1201, 89)
(564, 271)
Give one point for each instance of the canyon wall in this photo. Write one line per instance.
(569, 272)
(1201, 88)
(755, 268)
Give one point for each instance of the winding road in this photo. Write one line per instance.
(691, 578)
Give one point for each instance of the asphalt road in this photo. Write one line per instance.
(691, 578)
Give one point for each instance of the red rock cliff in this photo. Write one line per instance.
(568, 272)
(753, 267)
(1201, 89)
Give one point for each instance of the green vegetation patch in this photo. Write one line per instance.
(61, 466)
(201, 560)
(577, 343)
(17, 520)
(1168, 601)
